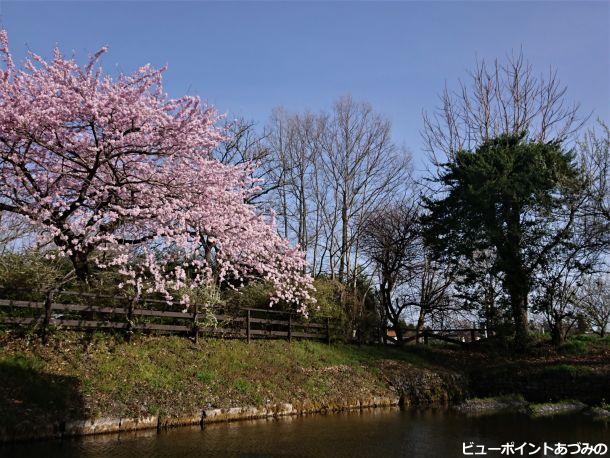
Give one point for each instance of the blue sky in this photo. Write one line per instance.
(247, 57)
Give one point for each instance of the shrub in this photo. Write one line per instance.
(328, 298)
(255, 295)
(22, 274)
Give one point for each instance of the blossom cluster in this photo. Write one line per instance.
(115, 172)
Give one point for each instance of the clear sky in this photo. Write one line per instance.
(247, 57)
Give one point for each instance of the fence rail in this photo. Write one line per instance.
(246, 323)
(459, 336)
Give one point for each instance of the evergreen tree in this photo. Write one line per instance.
(512, 199)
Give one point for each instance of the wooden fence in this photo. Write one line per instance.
(69, 309)
(459, 336)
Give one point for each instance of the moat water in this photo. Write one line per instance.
(372, 433)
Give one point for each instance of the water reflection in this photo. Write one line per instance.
(371, 433)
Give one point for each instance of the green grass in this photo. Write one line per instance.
(23, 361)
(583, 344)
(511, 397)
(100, 374)
(571, 370)
(242, 386)
(566, 368)
(206, 376)
(562, 407)
(103, 375)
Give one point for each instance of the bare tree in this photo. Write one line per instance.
(433, 283)
(243, 144)
(390, 238)
(15, 232)
(595, 302)
(504, 98)
(595, 155)
(294, 141)
(330, 169)
(559, 300)
(363, 168)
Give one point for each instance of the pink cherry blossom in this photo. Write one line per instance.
(115, 172)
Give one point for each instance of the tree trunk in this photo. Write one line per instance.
(420, 325)
(344, 234)
(516, 280)
(399, 333)
(385, 296)
(516, 285)
(491, 320)
(130, 308)
(285, 212)
(518, 300)
(557, 332)
(48, 303)
(211, 262)
(80, 261)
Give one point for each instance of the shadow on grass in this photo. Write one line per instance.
(30, 397)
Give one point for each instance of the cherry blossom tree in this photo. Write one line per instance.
(117, 174)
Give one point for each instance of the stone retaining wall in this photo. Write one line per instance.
(114, 425)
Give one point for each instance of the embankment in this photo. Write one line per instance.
(95, 383)
(89, 383)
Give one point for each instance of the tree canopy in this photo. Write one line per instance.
(512, 201)
(112, 170)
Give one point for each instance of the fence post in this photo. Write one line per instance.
(130, 308)
(328, 330)
(248, 326)
(48, 303)
(268, 326)
(195, 325)
(289, 327)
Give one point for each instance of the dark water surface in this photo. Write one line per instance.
(372, 433)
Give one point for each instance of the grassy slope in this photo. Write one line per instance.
(102, 375)
(81, 375)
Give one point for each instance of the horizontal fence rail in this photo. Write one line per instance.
(64, 310)
(459, 336)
